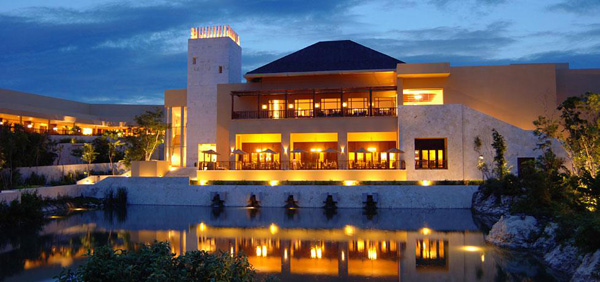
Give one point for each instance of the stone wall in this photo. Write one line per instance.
(177, 191)
(45, 192)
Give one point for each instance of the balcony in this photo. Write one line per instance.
(294, 165)
(314, 103)
(345, 112)
(433, 164)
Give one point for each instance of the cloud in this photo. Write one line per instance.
(587, 7)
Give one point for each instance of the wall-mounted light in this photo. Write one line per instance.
(344, 104)
(30, 125)
(342, 149)
(317, 105)
(55, 128)
(372, 149)
(264, 107)
(285, 150)
(291, 106)
(425, 183)
(273, 182)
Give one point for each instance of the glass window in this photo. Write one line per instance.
(430, 154)
(304, 107)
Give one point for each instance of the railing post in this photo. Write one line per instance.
(370, 101)
(285, 109)
(314, 103)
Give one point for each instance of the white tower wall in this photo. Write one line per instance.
(203, 77)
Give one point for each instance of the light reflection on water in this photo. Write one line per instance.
(303, 244)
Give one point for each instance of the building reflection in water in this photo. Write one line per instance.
(346, 252)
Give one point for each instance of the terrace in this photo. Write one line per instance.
(314, 103)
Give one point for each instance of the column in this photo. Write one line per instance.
(182, 137)
(343, 259)
(285, 150)
(168, 135)
(343, 150)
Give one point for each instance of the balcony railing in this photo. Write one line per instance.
(297, 165)
(320, 113)
(425, 164)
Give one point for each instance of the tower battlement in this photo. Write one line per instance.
(214, 32)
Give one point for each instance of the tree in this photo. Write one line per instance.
(499, 145)
(113, 145)
(578, 132)
(147, 135)
(88, 155)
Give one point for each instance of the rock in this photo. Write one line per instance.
(491, 205)
(514, 232)
(589, 270)
(547, 240)
(564, 258)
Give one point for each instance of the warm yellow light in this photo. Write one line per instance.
(343, 256)
(482, 258)
(55, 128)
(319, 253)
(172, 168)
(471, 249)
(350, 182)
(418, 97)
(30, 125)
(291, 106)
(372, 253)
(264, 107)
(313, 149)
(258, 251)
(426, 231)
(203, 182)
(258, 150)
(349, 230)
(342, 149)
(425, 183)
(319, 150)
(202, 226)
(285, 255)
(313, 253)
(372, 149)
(317, 105)
(273, 228)
(87, 131)
(344, 104)
(273, 182)
(264, 251)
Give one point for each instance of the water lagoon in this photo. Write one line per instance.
(295, 245)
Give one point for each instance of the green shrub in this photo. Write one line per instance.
(155, 262)
(35, 180)
(22, 214)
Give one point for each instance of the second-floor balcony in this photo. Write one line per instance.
(314, 103)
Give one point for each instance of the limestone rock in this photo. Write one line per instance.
(547, 240)
(563, 257)
(589, 270)
(492, 205)
(514, 232)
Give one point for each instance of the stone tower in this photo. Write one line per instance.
(214, 57)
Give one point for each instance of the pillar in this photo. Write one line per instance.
(168, 135)
(343, 150)
(182, 137)
(285, 150)
(343, 259)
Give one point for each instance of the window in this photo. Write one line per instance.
(358, 106)
(330, 107)
(423, 97)
(220, 69)
(194, 60)
(430, 154)
(276, 109)
(304, 107)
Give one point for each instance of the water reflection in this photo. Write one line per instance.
(410, 245)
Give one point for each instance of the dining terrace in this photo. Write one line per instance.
(314, 103)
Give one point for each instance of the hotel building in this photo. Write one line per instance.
(59, 117)
(338, 110)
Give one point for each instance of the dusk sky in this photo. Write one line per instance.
(103, 51)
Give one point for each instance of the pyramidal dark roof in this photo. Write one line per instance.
(343, 55)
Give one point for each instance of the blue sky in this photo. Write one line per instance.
(105, 51)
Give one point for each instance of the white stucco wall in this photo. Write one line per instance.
(203, 78)
(460, 125)
(55, 172)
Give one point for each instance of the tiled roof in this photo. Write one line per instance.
(344, 55)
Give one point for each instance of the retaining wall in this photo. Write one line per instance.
(46, 192)
(177, 191)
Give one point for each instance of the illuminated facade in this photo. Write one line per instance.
(55, 116)
(337, 110)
